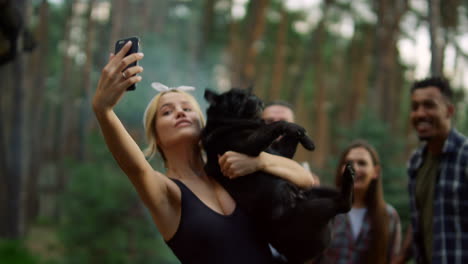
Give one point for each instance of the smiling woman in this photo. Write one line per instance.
(370, 232)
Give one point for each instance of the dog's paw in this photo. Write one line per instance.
(307, 143)
(347, 188)
(348, 174)
(296, 131)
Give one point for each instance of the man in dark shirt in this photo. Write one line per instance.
(438, 179)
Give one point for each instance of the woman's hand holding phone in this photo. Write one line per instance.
(133, 49)
(116, 77)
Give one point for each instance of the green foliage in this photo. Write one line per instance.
(461, 112)
(103, 220)
(14, 252)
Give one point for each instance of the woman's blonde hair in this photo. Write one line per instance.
(150, 117)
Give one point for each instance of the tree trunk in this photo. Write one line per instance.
(5, 125)
(313, 56)
(234, 53)
(437, 37)
(389, 13)
(254, 27)
(279, 59)
(162, 7)
(15, 169)
(85, 108)
(320, 103)
(63, 113)
(357, 77)
(15, 166)
(118, 15)
(36, 114)
(206, 30)
(146, 10)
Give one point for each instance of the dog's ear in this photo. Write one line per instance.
(211, 96)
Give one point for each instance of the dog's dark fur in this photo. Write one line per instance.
(296, 222)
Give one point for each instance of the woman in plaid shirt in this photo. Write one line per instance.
(371, 231)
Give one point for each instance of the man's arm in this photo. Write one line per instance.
(234, 164)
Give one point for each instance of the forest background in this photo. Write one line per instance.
(345, 65)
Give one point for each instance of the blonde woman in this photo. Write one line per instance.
(196, 217)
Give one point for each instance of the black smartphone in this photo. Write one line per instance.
(134, 49)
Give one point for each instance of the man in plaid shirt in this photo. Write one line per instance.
(438, 178)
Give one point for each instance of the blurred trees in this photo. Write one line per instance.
(13, 143)
(341, 63)
(115, 227)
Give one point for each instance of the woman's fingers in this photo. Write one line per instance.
(114, 80)
(117, 74)
(129, 60)
(118, 62)
(132, 71)
(124, 50)
(129, 81)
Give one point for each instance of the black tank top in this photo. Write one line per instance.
(205, 236)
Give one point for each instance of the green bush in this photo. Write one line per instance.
(104, 220)
(14, 252)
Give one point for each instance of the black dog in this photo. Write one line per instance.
(296, 222)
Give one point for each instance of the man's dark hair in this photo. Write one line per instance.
(439, 82)
(281, 103)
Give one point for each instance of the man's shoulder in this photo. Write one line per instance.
(458, 143)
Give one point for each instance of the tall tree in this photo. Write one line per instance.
(438, 42)
(15, 167)
(355, 81)
(254, 28)
(36, 91)
(117, 13)
(279, 58)
(207, 24)
(5, 131)
(383, 93)
(313, 56)
(161, 11)
(63, 112)
(320, 105)
(87, 83)
(234, 50)
(146, 9)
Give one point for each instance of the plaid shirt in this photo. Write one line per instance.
(344, 249)
(450, 221)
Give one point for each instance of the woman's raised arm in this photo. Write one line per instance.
(112, 85)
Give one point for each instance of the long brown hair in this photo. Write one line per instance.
(375, 204)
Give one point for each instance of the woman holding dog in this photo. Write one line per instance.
(371, 231)
(197, 217)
